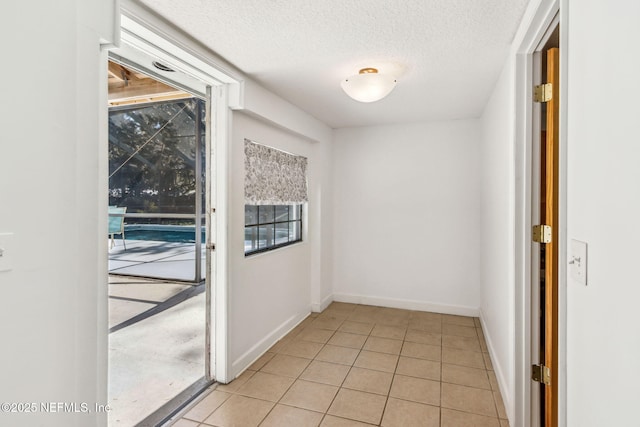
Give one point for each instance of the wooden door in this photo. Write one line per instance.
(549, 214)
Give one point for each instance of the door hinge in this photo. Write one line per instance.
(211, 246)
(541, 374)
(542, 233)
(543, 92)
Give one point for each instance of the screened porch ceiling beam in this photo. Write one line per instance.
(143, 89)
(119, 73)
(127, 86)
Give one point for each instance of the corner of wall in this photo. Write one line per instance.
(243, 362)
(319, 307)
(406, 304)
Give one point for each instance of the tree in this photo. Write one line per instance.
(152, 151)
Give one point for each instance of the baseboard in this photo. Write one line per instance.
(408, 304)
(254, 353)
(319, 308)
(497, 368)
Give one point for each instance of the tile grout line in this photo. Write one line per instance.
(314, 358)
(326, 412)
(350, 369)
(296, 378)
(393, 375)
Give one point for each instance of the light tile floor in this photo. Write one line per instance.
(355, 365)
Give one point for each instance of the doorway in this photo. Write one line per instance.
(158, 302)
(546, 20)
(545, 234)
(156, 177)
(143, 40)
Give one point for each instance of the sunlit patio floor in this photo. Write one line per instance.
(146, 258)
(156, 344)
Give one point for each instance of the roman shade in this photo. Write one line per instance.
(273, 177)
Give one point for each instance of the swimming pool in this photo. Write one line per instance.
(162, 233)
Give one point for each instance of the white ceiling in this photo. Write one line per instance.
(445, 54)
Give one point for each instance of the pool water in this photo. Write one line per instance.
(162, 233)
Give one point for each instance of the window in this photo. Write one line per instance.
(269, 227)
(275, 188)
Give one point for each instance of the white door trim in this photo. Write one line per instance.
(224, 90)
(525, 160)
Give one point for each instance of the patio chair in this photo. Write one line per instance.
(116, 224)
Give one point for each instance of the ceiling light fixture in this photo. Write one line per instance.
(368, 85)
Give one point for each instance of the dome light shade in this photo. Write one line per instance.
(368, 85)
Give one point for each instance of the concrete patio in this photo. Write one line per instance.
(156, 343)
(155, 259)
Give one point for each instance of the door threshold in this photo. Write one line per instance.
(169, 410)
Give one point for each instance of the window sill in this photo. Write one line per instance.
(274, 250)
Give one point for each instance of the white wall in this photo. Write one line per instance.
(53, 318)
(53, 302)
(602, 208)
(277, 113)
(269, 293)
(321, 207)
(604, 211)
(406, 218)
(497, 232)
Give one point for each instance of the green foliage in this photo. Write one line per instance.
(152, 152)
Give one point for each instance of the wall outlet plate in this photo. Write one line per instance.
(6, 251)
(578, 261)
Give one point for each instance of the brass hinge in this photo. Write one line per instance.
(543, 92)
(541, 374)
(542, 233)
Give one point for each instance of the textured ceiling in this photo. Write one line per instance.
(445, 54)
